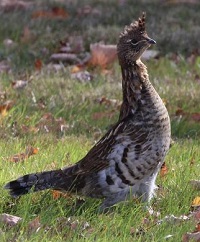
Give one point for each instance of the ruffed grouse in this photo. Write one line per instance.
(127, 158)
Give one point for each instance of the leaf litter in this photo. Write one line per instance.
(9, 220)
(25, 155)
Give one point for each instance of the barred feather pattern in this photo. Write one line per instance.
(126, 160)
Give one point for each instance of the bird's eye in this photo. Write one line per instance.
(134, 42)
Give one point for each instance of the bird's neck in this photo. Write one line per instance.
(135, 83)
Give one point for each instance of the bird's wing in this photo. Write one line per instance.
(98, 157)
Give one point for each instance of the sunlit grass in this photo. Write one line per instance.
(76, 102)
(175, 80)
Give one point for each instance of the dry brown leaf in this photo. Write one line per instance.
(55, 12)
(26, 35)
(9, 220)
(5, 107)
(23, 156)
(180, 112)
(76, 68)
(193, 237)
(108, 102)
(34, 225)
(102, 55)
(196, 214)
(197, 227)
(163, 170)
(29, 129)
(57, 194)
(189, 116)
(38, 64)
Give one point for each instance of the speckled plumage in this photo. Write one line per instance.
(128, 157)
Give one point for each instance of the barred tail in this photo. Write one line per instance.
(37, 182)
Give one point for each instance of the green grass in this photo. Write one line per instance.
(76, 103)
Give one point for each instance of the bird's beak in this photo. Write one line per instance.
(151, 41)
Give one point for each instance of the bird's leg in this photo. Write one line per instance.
(113, 199)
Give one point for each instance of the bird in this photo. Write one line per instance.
(125, 162)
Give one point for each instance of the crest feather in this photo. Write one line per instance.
(135, 26)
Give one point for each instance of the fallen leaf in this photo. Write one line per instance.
(22, 156)
(196, 202)
(34, 225)
(19, 84)
(38, 64)
(189, 116)
(76, 68)
(196, 214)
(57, 194)
(108, 102)
(29, 129)
(5, 107)
(180, 112)
(9, 220)
(55, 12)
(102, 55)
(163, 170)
(193, 237)
(197, 228)
(60, 12)
(26, 35)
(31, 151)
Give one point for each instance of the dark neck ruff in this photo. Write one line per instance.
(134, 81)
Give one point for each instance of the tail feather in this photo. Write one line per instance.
(36, 182)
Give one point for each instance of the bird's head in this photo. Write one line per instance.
(133, 41)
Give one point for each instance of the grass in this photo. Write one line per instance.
(175, 80)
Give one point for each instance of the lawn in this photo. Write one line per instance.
(61, 117)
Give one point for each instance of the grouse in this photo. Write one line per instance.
(126, 160)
